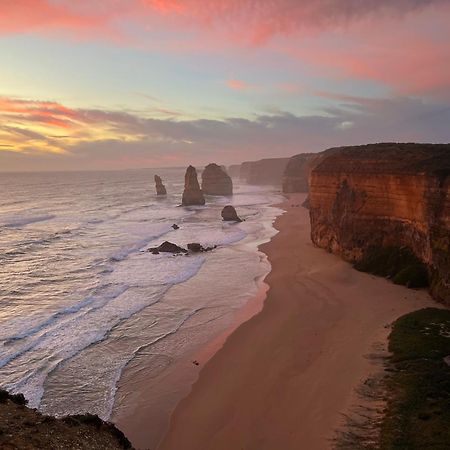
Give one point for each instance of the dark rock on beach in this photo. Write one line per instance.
(167, 247)
(195, 247)
(229, 214)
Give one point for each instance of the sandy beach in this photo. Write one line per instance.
(283, 378)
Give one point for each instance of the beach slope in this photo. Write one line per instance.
(282, 379)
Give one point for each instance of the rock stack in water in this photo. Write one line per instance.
(192, 194)
(215, 181)
(229, 214)
(160, 188)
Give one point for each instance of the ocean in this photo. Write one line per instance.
(80, 295)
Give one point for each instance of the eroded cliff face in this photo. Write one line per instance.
(297, 172)
(385, 195)
(264, 172)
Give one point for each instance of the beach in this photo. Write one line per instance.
(283, 379)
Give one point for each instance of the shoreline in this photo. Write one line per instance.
(138, 401)
(283, 378)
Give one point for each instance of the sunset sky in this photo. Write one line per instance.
(110, 84)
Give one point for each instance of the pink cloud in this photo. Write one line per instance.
(385, 41)
(238, 85)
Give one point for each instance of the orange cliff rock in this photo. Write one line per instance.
(385, 196)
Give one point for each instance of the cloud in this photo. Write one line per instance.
(113, 139)
(239, 85)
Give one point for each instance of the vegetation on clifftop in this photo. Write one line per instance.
(417, 415)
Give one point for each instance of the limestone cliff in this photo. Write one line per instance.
(297, 171)
(192, 194)
(215, 181)
(385, 196)
(264, 172)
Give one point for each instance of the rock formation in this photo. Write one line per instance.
(264, 171)
(192, 194)
(385, 196)
(215, 181)
(297, 171)
(167, 247)
(160, 188)
(23, 427)
(195, 247)
(229, 214)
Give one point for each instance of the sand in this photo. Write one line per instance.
(283, 378)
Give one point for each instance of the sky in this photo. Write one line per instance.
(124, 84)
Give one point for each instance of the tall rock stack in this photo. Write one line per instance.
(215, 181)
(192, 194)
(160, 188)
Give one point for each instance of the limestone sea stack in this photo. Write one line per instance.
(386, 208)
(215, 181)
(229, 214)
(192, 194)
(160, 188)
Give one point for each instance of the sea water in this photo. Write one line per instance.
(81, 296)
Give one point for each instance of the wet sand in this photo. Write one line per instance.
(283, 378)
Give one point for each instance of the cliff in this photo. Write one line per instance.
(25, 428)
(215, 181)
(264, 171)
(296, 175)
(386, 205)
(192, 194)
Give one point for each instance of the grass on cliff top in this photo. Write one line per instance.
(417, 416)
(398, 264)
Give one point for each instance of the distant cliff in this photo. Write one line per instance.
(295, 178)
(265, 171)
(386, 207)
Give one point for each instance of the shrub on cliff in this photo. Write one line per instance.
(398, 264)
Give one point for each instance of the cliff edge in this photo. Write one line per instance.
(386, 204)
(25, 428)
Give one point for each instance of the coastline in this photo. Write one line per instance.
(283, 378)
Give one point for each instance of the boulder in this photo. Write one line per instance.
(195, 247)
(216, 181)
(229, 214)
(175, 226)
(160, 188)
(192, 194)
(168, 247)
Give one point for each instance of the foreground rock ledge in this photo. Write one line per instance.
(25, 428)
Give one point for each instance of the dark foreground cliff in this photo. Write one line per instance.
(383, 205)
(25, 428)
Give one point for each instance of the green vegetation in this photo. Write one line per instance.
(398, 264)
(418, 383)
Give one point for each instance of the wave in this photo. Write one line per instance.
(17, 222)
